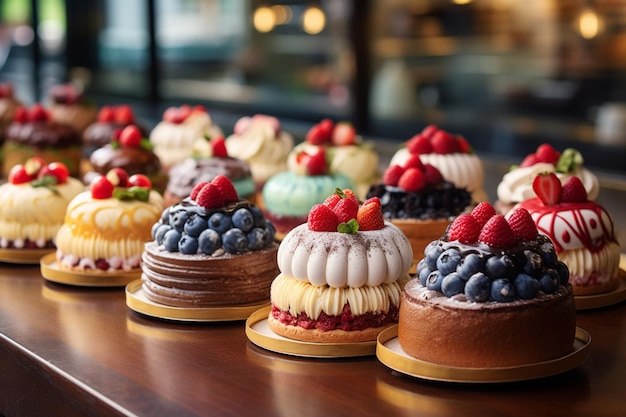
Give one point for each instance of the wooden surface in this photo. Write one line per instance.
(67, 351)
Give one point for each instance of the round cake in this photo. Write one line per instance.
(490, 293)
(582, 232)
(33, 204)
(69, 106)
(106, 227)
(517, 184)
(174, 135)
(210, 250)
(289, 196)
(34, 133)
(341, 274)
(450, 154)
(209, 159)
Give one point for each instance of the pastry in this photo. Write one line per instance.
(69, 106)
(582, 231)
(289, 196)
(341, 274)
(490, 293)
(212, 249)
(33, 203)
(106, 227)
(451, 154)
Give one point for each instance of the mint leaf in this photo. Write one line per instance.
(47, 181)
(569, 160)
(350, 227)
(132, 193)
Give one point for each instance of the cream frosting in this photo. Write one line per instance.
(262, 147)
(173, 142)
(517, 184)
(295, 296)
(342, 260)
(588, 268)
(107, 228)
(34, 213)
(465, 170)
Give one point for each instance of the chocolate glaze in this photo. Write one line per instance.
(41, 134)
(135, 160)
(186, 174)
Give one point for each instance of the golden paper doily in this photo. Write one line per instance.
(137, 301)
(390, 353)
(587, 302)
(24, 256)
(51, 271)
(259, 333)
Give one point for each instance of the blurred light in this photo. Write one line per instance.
(313, 20)
(588, 24)
(23, 35)
(264, 19)
(461, 1)
(282, 14)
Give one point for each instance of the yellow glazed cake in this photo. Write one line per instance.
(106, 227)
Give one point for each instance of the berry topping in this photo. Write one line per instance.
(106, 114)
(370, 215)
(196, 189)
(101, 188)
(414, 161)
(392, 175)
(210, 197)
(322, 219)
(124, 115)
(573, 191)
(328, 133)
(6, 90)
(546, 153)
(342, 213)
(226, 189)
(343, 134)
(432, 174)
(59, 171)
(33, 165)
(465, 228)
(18, 175)
(65, 94)
(130, 137)
(20, 115)
(522, 224)
(313, 163)
(435, 140)
(38, 113)
(419, 144)
(118, 177)
(444, 143)
(139, 180)
(483, 212)
(497, 232)
(320, 133)
(412, 180)
(218, 145)
(429, 131)
(548, 188)
(346, 209)
(177, 115)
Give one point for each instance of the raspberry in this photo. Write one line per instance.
(522, 224)
(497, 232)
(530, 160)
(432, 174)
(429, 131)
(392, 175)
(444, 143)
(225, 188)
(573, 191)
(219, 147)
(322, 219)
(196, 189)
(370, 215)
(414, 161)
(464, 228)
(483, 212)
(412, 180)
(548, 188)
(419, 144)
(464, 146)
(210, 197)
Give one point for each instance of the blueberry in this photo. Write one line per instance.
(234, 241)
(170, 240)
(258, 238)
(154, 229)
(219, 222)
(433, 282)
(178, 219)
(431, 253)
(498, 266)
(448, 261)
(195, 225)
(209, 241)
(563, 272)
(188, 245)
(478, 288)
(469, 265)
(423, 270)
(452, 284)
(548, 255)
(165, 216)
(271, 230)
(257, 215)
(526, 286)
(242, 219)
(534, 264)
(550, 281)
(160, 233)
(502, 290)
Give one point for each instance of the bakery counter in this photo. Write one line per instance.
(75, 351)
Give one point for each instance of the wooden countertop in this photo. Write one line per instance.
(68, 351)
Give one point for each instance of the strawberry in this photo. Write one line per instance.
(124, 115)
(412, 180)
(530, 160)
(18, 175)
(45, 172)
(322, 219)
(370, 215)
(392, 175)
(346, 208)
(419, 144)
(483, 212)
(497, 232)
(130, 137)
(218, 145)
(139, 180)
(522, 224)
(210, 197)
(320, 133)
(414, 161)
(172, 115)
(118, 177)
(444, 143)
(429, 131)
(106, 114)
(548, 188)
(33, 165)
(332, 200)
(315, 163)
(101, 188)
(464, 228)
(546, 153)
(432, 174)
(327, 127)
(226, 189)
(38, 113)
(464, 146)
(343, 134)
(573, 191)
(20, 115)
(60, 171)
(196, 189)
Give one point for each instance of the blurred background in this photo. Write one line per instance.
(507, 74)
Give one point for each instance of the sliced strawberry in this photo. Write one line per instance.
(522, 224)
(465, 228)
(33, 165)
(106, 114)
(60, 171)
(392, 175)
(412, 180)
(419, 144)
(196, 189)
(18, 175)
(226, 188)
(483, 212)
(118, 177)
(432, 174)
(343, 134)
(101, 188)
(414, 161)
(130, 137)
(370, 215)
(546, 153)
(548, 188)
(444, 143)
(124, 115)
(139, 180)
(315, 164)
(429, 131)
(573, 191)
(322, 219)
(218, 145)
(497, 232)
(210, 197)
(530, 160)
